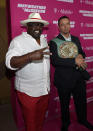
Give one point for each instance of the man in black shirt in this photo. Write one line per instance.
(68, 59)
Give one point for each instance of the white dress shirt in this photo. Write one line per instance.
(34, 78)
(67, 39)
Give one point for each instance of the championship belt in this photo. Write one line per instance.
(66, 49)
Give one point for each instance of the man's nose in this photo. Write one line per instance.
(37, 27)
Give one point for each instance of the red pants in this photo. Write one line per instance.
(34, 109)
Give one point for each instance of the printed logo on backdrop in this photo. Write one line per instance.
(89, 48)
(56, 99)
(72, 23)
(63, 11)
(32, 8)
(90, 90)
(87, 2)
(86, 13)
(88, 25)
(86, 36)
(90, 99)
(89, 59)
(90, 69)
(90, 81)
(70, 1)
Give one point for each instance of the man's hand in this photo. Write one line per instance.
(38, 54)
(80, 62)
(20, 61)
(80, 56)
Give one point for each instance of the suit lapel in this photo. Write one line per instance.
(60, 37)
(72, 39)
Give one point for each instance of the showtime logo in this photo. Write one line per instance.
(70, 1)
(56, 98)
(86, 24)
(89, 59)
(32, 8)
(90, 99)
(87, 36)
(86, 13)
(90, 70)
(72, 23)
(89, 48)
(88, 2)
(90, 81)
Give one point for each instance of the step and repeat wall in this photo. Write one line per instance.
(80, 13)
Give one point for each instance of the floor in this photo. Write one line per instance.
(6, 119)
(55, 124)
(7, 123)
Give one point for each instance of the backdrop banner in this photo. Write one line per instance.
(80, 13)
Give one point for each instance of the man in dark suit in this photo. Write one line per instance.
(68, 78)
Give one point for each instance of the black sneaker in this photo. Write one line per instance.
(87, 125)
(64, 129)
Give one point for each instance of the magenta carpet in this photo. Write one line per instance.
(55, 124)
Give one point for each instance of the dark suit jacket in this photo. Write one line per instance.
(65, 68)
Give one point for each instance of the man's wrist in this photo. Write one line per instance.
(29, 59)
